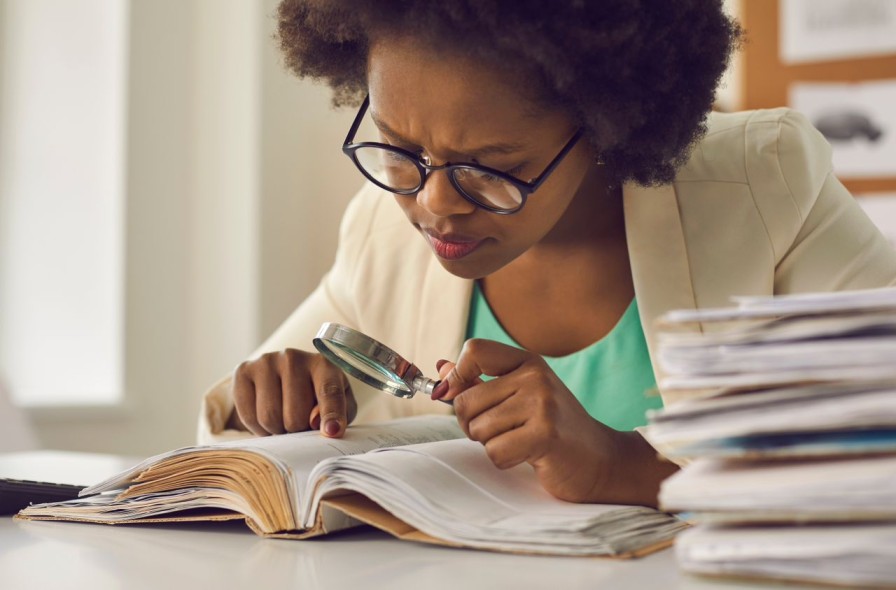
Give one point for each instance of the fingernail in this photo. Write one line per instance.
(440, 390)
(331, 427)
(439, 364)
(314, 420)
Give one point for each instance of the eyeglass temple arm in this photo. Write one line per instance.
(556, 161)
(357, 122)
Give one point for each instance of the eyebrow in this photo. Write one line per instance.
(485, 150)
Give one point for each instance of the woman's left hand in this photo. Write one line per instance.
(528, 415)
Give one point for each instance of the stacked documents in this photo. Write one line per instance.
(786, 420)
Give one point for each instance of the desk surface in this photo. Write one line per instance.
(227, 555)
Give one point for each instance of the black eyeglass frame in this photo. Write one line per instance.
(525, 188)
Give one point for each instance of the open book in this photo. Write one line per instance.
(417, 478)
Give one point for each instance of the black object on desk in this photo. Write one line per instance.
(16, 494)
(33, 477)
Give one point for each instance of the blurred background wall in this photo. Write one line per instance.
(233, 184)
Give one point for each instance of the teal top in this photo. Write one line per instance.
(611, 378)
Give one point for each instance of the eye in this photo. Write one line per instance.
(414, 149)
(395, 157)
(511, 172)
(515, 171)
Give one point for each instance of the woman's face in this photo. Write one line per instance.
(451, 109)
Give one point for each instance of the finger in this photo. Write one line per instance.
(351, 405)
(510, 448)
(444, 368)
(234, 422)
(268, 398)
(490, 421)
(298, 390)
(330, 388)
(488, 396)
(482, 357)
(314, 418)
(244, 400)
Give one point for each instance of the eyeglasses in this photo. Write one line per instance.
(404, 173)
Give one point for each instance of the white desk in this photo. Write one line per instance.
(38, 555)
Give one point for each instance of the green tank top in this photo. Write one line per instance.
(611, 378)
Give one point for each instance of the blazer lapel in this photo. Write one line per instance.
(658, 255)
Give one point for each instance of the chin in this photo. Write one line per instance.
(465, 269)
(470, 268)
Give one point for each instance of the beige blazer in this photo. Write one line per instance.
(755, 211)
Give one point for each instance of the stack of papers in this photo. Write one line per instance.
(787, 428)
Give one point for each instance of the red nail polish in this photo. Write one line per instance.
(331, 427)
(440, 390)
(440, 363)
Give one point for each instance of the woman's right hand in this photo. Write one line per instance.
(291, 391)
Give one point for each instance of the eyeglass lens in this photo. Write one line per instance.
(397, 172)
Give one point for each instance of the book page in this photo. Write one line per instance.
(301, 452)
(452, 491)
(296, 454)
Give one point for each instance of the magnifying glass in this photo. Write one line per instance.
(372, 362)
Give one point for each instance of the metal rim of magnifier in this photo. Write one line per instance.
(378, 355)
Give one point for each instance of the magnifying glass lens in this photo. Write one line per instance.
(372, 369)
(371, 362)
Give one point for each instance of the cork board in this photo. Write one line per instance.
(766, 80)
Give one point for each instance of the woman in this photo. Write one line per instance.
(546, 182)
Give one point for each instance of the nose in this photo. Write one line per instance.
(439, 197)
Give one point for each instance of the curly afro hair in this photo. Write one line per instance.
(640, 75)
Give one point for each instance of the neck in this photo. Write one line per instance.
(590, 234)
(580, 272)
(593, 221)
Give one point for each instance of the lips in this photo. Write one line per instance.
(451, 246)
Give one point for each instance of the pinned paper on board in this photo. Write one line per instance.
(859, 121)
(829, 30)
